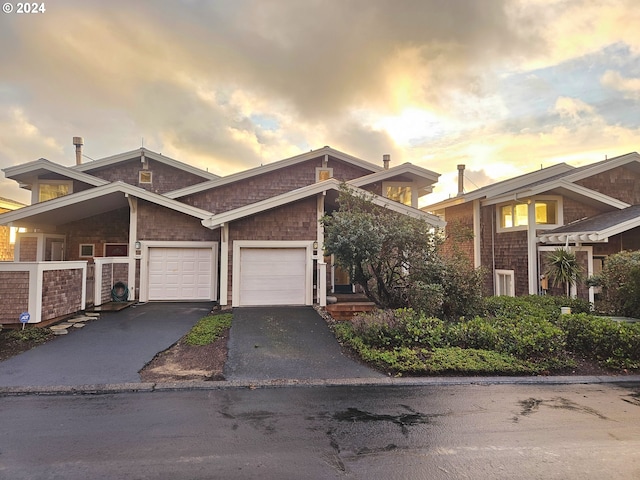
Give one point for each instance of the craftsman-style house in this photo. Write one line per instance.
(593, 210)
(170, 231)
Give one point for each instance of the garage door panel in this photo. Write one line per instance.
(273, 276)
(180, 273)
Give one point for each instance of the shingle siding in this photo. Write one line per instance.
(267, 185)
(621, 183)
(165, 177)
(14, 286)
(61, 292)
(159, 223)
(459, 224)
(109, 227)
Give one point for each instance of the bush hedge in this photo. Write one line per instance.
(524, 335)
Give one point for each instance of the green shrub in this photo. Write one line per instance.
(402, 327)
(616, 344)
(526, 337)
(474, 361)
(208, 329)
(541, 306)
(427, 298)
(620, 280)
(452, 360)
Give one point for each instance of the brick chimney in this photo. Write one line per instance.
(78, 142)
(386, 159)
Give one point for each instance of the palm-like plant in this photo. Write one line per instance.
(563, 268)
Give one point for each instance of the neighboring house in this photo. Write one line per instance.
(593, 209)
(174, 232)
(8, 234)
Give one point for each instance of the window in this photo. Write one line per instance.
(546, 212)
(504, 283)
(516, 215)
(87, 250)
(323, 173)
(116, 250)
(145, 176)
(399, 192)
(513, 215)
(53, 189)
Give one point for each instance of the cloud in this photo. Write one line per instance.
(572, 108)
(630, 87)
(228, 85)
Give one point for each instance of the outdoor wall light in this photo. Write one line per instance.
(138, 245)
(315, 245)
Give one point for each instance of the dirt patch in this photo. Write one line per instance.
(182, 362)
(10, 346)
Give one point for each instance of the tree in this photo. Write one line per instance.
(563, 269)
(380, 248)
(620, 281)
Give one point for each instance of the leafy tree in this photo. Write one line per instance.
(379, 247)
(396, 259)
(563, 268)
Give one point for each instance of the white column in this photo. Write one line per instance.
(477, 261)
(224, 263)
(532, 250)
(322, 267)
(133, 237)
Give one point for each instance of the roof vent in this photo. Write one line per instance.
(78, 142)
(386, 159)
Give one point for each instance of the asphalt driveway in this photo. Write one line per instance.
(109, 350)
(270, 343)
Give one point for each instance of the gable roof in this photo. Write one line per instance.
(561, 176)
(504, 186)
(216, 221)
(126, 156)
(27, 173)
(87, 203)
(270, 167)
(423, 177)
(597, 228)
(564, 187)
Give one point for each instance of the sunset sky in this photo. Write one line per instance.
(503, 86)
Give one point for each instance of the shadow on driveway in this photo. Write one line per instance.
(269, 343)
(111, 349)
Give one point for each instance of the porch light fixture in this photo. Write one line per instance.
(138, 245)
(315, 245)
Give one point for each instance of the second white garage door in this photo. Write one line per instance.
(180, 273)
(272, 276)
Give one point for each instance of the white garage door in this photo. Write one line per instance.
(180, 273)
(272, 276)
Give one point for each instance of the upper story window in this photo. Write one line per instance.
(515, 215)
(50, 189)
(400, 192)
(546, 212)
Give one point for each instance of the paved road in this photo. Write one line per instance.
(111, 349)
(270, 343)
(456, 432)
